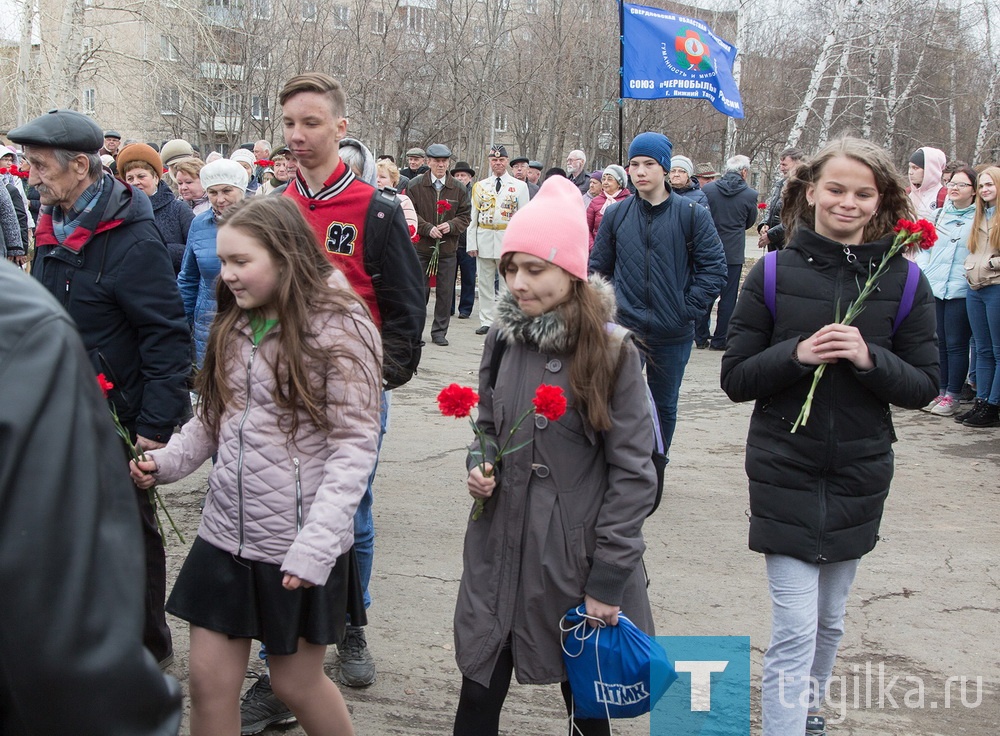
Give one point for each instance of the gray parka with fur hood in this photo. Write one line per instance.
(566, 516)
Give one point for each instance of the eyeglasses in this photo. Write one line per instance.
(958, 185)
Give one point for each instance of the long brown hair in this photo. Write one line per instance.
(302, 291)
(596, 355)
(993, 236)
(893, 203)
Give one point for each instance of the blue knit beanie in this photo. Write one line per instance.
(655, 145)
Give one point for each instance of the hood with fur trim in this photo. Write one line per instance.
(548, 332)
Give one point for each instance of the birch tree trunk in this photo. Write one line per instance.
(831, 100)
(64, 85)
(842, 9)
(895, 102)
(24, 62)
(989, 100)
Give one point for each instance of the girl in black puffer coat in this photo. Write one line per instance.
(816, 496)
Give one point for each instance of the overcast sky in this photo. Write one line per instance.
(10, 16)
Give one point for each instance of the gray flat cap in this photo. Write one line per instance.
(66, 129)
(416, 152)
(536, 165)
(438, 150)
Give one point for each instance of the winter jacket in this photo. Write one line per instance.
(425, 197)
(113, 276)
(944, 264)
(196, 281)
(287, 500)
(173, 219)
(734, 210)
(72, 579)
(982, 268)
(925, 197)
(597, 207)
(566, 516)
(10, 231)
(666, 263)
(772, 217)
(18, 199)
(817, 495)
(694, 192)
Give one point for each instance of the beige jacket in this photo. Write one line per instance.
(982, 268)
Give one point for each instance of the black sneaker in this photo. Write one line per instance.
(968, 394)
(815, 726)
(261, 708)
(977, 406)
(989, 416)
(357, 667)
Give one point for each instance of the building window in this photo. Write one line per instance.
(379, 24)
(341, 16)
(261, 9)
(89, 101)
(170, 101)
(258, 109)
(168, 49)
(310, 11)
(501, 124)
(531, 6)
(418, 20)
(87, 47)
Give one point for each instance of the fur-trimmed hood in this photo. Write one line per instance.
(548, 332)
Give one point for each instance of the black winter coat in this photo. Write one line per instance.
(114, 277)
(818, 494)
(173, 219)
(734, 210)
(72, 578)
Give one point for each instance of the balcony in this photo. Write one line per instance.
(225, 72)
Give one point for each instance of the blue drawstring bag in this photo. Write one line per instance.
(614, 671)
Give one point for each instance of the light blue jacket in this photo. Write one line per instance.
(944, 264)
(196, 280)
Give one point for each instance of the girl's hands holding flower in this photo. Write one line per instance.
(143, 473)
(835, 342)
(481, 481)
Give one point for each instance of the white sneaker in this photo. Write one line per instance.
(934, 402)
(945, 407)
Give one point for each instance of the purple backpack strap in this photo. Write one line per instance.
(770, 281)
(909, 292)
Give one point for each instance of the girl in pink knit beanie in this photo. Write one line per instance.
(561, 524)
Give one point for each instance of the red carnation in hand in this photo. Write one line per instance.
(762, 205)
(928, 234)
(264, 163)
(105, 384)
(443, 205)
(457, 401)
(550, 402)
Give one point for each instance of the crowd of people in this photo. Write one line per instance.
(296, 281)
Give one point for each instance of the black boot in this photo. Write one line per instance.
(988, 417)
(977, 406)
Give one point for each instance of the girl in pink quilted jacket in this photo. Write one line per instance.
(290, 394)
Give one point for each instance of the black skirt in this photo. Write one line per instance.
(244, 599)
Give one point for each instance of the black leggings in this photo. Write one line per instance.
(479, 707)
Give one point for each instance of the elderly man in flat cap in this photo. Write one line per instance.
(99, 253)
(520, 167)
(495, 199)
(439, 229)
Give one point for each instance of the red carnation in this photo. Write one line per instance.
(105, 384)
(928, 234)
(762, 205)
(443, 205)
(550, 402)
(264, 163)
(457, 401)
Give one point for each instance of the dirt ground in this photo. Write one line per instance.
(926, 604)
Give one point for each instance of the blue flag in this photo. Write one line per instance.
(668, 55)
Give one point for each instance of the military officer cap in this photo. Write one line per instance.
(438, 150)
(519, 160)
(416, 152)
(498, 152)
(66, 129)
(537, 165)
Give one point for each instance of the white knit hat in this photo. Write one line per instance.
(224, 171)
(242, 154)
